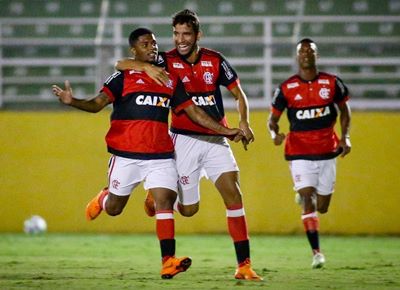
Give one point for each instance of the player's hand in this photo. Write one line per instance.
(279, 138)
(345, 145)
(235, 134)
(248, 134)
(158, 74)
(64, 95)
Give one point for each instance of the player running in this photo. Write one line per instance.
(198, 149)
(138, 140)
(312, 100)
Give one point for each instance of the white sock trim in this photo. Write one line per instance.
(309, 215)
(164, 216)
(235, 212)
(104, 202)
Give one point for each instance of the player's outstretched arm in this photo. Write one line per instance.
(66, 97)
(198, 115)
(158, 74)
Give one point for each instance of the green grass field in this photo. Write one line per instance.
(97, 261)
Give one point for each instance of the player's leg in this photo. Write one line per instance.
(323, 202)
(228, 186)
(149, 204)
(305, 178)
(161, 179)
(188, 155)
(220, 165)
(124, 176)
(326, 184)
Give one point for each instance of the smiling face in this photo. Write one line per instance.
(145, 48)
(185, 39)
(307, 54)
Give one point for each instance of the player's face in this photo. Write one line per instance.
(185, 39)
(145, 48)
(307, 55)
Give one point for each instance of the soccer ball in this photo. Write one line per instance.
(35, 225)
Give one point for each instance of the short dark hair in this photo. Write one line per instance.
(306, 40)
(134, 36)
(309, 41)
(188, 17)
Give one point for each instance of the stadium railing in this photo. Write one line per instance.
(363, 50)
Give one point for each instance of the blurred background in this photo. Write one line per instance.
(53, 161)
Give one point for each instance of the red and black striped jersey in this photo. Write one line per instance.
(312, 112)
(139, 121)
(202, 81)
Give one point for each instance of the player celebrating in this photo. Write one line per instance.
(139, 141)
(311, 98)
(199, 149)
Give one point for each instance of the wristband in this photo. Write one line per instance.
(273, 134)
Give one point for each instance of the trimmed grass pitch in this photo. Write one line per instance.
(110, 261)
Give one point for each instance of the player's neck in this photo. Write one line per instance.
(192, 58)
(308, 74)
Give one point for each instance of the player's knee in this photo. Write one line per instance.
(188, 210)
(322, 210)
(114, 210)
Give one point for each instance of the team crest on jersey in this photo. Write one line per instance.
(208, 78)
(323, 81)
(140, 81)
(115, 184)
(184, 180)
(185, 79)
(292, 85)
(324, 93)
(177, 65)
(206, 63)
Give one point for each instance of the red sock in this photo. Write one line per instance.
(310, 222)
(311, 227)
(165, 224)
(165, 227)
(237, 225)
(103, 198)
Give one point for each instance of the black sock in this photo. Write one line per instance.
(242, 250)
(313, 239)
(167, 248)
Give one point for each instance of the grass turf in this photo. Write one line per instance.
(102, 261)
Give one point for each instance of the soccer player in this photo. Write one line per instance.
(313, 100)
(138, 139)
(198, 149)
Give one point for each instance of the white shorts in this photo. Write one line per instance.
(320, 174)
(198, 156)
(125, 174)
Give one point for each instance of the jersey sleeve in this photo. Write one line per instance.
(228, 76)
(279, 102)
(341, 92)
(114, 85)
(180, 99)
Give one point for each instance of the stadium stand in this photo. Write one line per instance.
(45, 42)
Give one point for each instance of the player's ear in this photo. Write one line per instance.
(199, 35)
(132, 51)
